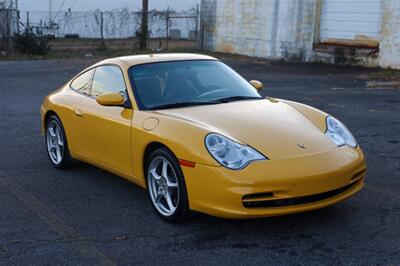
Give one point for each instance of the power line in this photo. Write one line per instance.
(58, 11)
(73, 4)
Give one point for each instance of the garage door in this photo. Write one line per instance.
(350, 20)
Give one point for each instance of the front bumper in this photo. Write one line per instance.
(276, 187)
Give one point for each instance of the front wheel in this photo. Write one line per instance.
(166, 186)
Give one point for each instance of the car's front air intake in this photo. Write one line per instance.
(265, 203)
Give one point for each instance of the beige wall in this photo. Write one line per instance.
(389, 51)
(289, 30)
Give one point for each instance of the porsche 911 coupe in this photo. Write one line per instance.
(199, 137)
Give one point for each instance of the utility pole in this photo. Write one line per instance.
(8, 34)
(17, 11)
(50, 11)
(9, 22)
(27, 22)
(101, 26)
(144, 31)
(197, 23)
(167, 28)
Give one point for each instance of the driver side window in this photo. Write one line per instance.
(108, 79)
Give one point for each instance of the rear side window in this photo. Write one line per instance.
(83, 82)
(108, 79)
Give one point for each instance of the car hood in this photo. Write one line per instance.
(272, 127)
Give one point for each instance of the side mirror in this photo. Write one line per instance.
(257, 84)
(111, 99)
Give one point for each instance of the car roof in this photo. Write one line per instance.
(132, 60)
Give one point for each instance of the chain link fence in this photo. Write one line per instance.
(116, 24)
(9, 23)
(167, 24)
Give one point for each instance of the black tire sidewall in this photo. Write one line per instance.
(182, 209)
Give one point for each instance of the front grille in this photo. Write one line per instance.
(295, 201)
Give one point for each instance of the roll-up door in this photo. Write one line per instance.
(351, 22)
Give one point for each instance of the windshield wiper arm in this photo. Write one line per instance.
(181, 104)
(214, 101)
(238, 98)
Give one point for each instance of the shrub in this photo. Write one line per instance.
(30, 44)
(143, 37)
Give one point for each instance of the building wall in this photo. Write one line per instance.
(389, 51)
(289, 30)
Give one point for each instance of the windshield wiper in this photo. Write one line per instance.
(182, 104)
(214, 101)
(237, 98)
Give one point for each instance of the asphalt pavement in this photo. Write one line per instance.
(88, 216)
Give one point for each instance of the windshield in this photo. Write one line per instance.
(185, 83)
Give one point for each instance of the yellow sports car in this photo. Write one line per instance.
(200, 137)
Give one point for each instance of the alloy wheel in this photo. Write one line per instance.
(55, 142)
(163, 186)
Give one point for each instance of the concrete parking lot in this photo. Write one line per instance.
(88, 216)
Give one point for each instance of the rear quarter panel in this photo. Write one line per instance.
(63, 102)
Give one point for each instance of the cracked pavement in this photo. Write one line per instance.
(88, 216)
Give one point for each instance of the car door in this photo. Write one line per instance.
(105, 130)
(81, 87)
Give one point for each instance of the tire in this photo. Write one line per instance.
(160, 186)
(56, 143)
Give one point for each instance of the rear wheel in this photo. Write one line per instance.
(56, 143)
(166, 186)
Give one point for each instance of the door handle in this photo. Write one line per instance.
(78, 112)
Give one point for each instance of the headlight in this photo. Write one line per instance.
(229, 153)
(339, 133)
